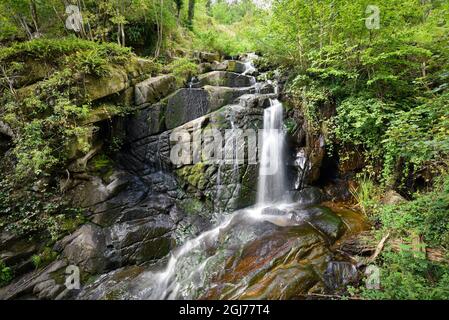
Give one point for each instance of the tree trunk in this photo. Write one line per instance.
(191, 13)
(34, 15)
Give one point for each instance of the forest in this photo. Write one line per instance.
(88, 87)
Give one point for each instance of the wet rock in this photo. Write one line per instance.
(111, 286)
(188, 104)
(236, 66)
(340, 274)
(308, 196)
(258, 100)
(147, 121)
(225, 79)
(327, 222)
(273, 266)
(154, 89)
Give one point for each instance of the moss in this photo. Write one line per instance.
(44, 258)
(101, 165)
(194, 175)
(192, 206)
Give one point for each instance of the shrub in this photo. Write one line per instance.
(408, 276)
(182, 69)
(5, 274)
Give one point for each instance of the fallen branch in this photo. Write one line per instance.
(379, 249)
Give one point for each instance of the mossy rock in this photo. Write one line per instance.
(194, 175)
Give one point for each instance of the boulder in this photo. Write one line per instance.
(87, 248)
(225, 79)
(189, 104)
(100, 87)
(154, 89)
(391, 197)
(208, 57)
(43, 283)
(236, 66)
(219, 66)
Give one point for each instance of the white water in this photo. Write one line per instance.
(272, 183)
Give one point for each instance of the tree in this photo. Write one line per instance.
(179, 4)
(191, 13)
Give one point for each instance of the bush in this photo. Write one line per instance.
(426, 215)
(5, 274)
(408, 276)
(182, 69)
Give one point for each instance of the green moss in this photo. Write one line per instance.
(44, 258)
(6, 274)
(194, 175)
(192, 206)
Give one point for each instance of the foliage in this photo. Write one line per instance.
(47, 119)
(25, 212)
(45, 257)
(407, 275)
(388, 85)
(427, 215)
(366, 194)
(5, 274)
(183, 69)
(231, 38)
(48, 49)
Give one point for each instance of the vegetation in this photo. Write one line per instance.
(406, 272)
(5, 274)
(385, 81)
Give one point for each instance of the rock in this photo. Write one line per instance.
(42, 282)
(308, 196)
(94, 191)
(189, 104)
(327, 222)
(111, 286)
(140, 240)
(340, 274)
(154, 89)
(100, 113)
(236, 66)
(204, 67)
(219, 66)
(280, 264)
(87, 248)
(225, 79)
(208, 57)
(114, 82)
(6, 130)
(256, 101)
(391, 197)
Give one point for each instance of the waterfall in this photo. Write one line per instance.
(184, 271)
(272, 181)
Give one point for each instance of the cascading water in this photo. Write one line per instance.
(184, 272)
(272, 183)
